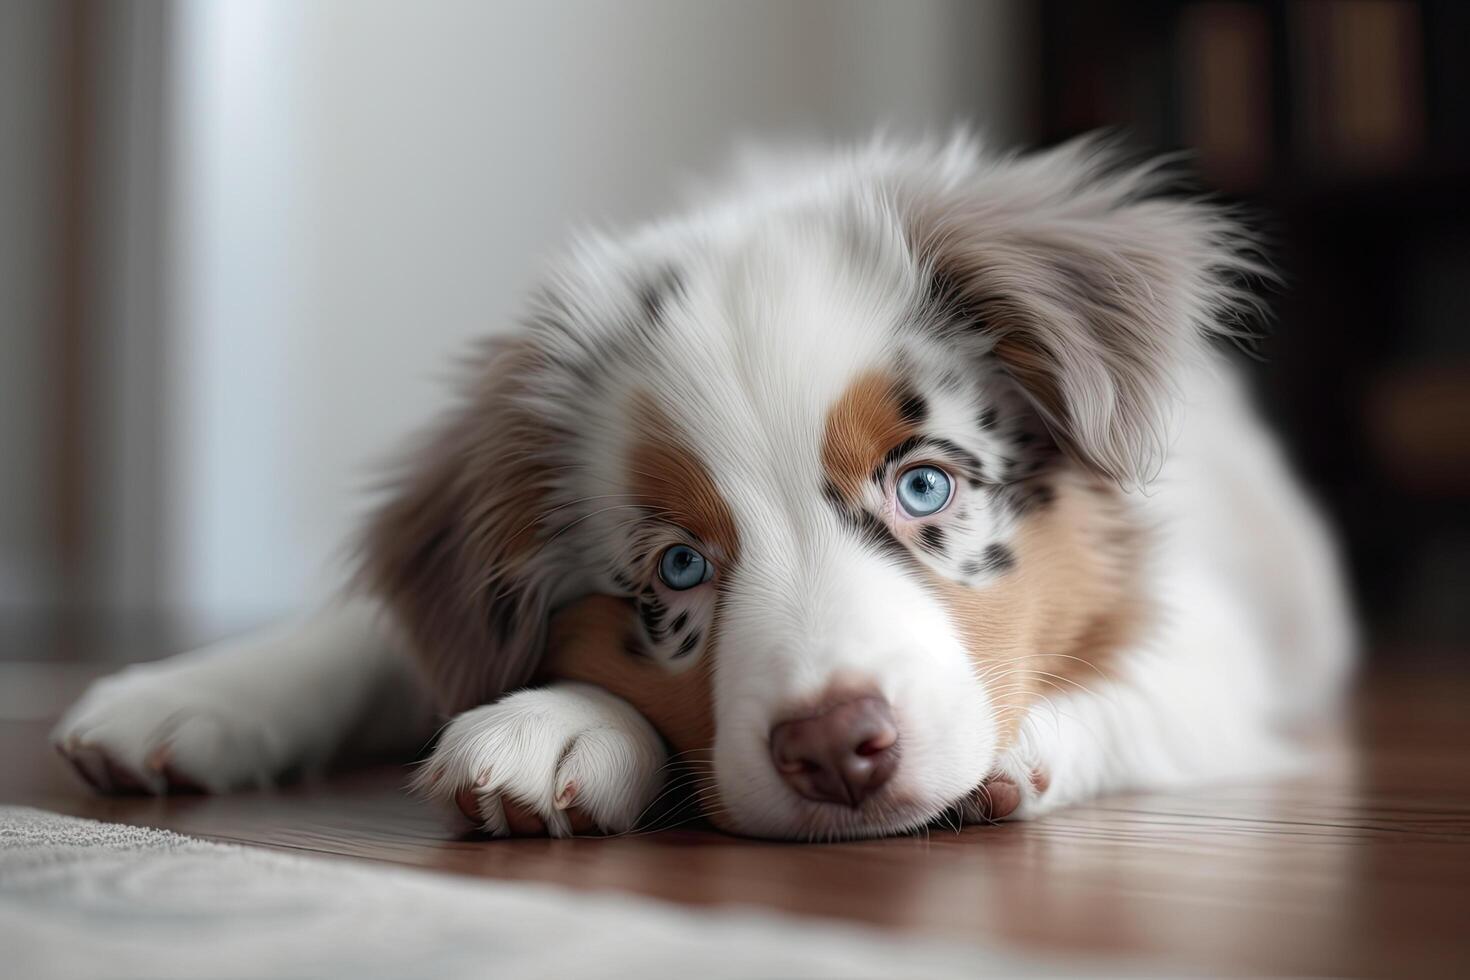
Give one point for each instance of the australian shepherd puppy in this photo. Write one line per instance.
(885, 484)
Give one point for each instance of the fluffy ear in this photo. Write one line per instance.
(455, 552)
(1092, 291)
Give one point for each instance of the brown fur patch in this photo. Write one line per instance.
(667, 476)
(1051, 625)
(450, 552)
(593, 641)
(590, 641)
(864, 423)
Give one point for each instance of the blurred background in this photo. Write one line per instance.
(241, 243)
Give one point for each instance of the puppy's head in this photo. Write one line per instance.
(852, 451)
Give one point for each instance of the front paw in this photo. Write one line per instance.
(559, 760)
(150, 729)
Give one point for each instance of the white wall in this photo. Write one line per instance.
(88, 77)
(361, 188)
(124, 405)
(29, 240)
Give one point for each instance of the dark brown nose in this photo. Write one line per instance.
(842, 755)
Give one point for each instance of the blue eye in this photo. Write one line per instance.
(681, 567)
(923, 490)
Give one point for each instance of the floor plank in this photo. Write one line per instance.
(1360, 867)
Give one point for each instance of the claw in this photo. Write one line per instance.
(469, 805)
(75, 754)
(566, 797)
(523, 821)
(1040, 780)
(159, 758)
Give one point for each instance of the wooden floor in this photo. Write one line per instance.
(1360, 868)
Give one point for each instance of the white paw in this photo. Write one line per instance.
(152, 728)
(557, 760)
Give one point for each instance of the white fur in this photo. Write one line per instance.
(243, 712)
(810, 606)
(1255, 635)
(787, 295)
(551, 749)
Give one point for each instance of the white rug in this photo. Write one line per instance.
(80, 898)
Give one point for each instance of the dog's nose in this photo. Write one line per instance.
(842, 755)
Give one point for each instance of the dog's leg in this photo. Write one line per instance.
(248, 711)
(558, 760)
(581, 753)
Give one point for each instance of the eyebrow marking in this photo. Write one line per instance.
(898, 452)
(865, 422)
(669, 478)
